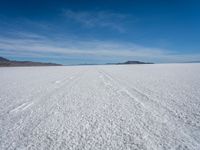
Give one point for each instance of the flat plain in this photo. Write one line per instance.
(154, 106)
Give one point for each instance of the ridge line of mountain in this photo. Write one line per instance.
(4, 62)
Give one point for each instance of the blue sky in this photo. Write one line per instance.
(83, 31)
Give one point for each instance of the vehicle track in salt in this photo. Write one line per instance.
(87, 117)
(104, 114)
(93, 109)
(29, 120)
(189, 124)
(160, 115)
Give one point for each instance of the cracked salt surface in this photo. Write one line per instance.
(153, 106)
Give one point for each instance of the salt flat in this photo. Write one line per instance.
(153, 106)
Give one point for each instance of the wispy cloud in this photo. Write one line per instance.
(34, 45)
(103, 19)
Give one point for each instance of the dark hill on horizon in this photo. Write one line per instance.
(12, 63)
(135, 62)
(130, 62)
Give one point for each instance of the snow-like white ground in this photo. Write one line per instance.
(100, 107)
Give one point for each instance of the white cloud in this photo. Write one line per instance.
(30, 46)
(98, 19)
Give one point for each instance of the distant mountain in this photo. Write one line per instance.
(135, 62)
(123, 63)
(131, 62)
(12, 63)
(3, 59)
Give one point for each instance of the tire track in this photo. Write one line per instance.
(190, 127)
(95, 109)
(30, 120)
(163, 116)
(39, 95)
